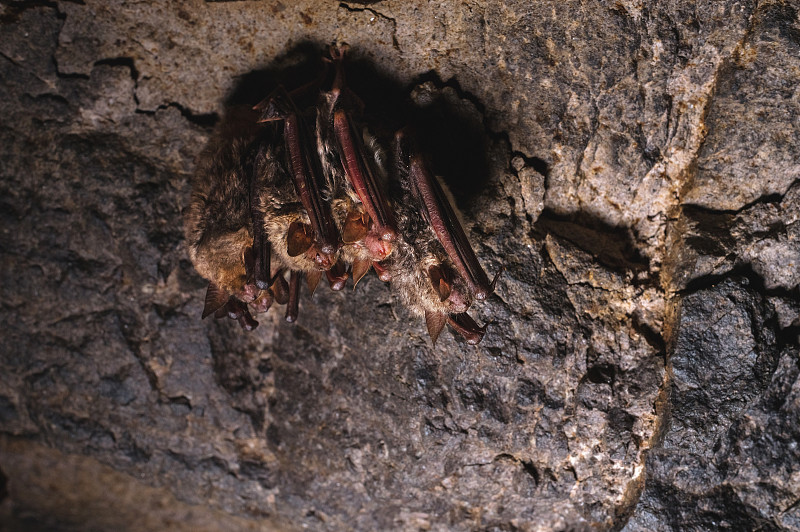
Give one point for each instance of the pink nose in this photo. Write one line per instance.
(457, 302)
(324, 261)
(249, 293)
(378, 248)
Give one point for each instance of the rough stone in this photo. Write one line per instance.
(729, 458)
(632, 165)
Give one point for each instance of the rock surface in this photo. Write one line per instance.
(633, 166)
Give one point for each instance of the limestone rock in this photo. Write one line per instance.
(632, 165)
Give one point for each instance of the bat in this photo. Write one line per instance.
(218, 219)
(273, 197)
(435, 271)
(356, 175)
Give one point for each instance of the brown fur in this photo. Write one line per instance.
(416, 250)
(217, 222)
(245, 158)
(279, 206)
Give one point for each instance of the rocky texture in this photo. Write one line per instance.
(633, 166)
(72, 492)
(729, 458)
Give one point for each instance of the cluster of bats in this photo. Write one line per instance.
(297, 186)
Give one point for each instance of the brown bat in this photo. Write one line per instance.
(353, 169)
(218, 221)
(435, 271)
(276, 197)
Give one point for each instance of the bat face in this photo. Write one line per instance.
(273, 197)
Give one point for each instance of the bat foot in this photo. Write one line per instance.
(294, 296)
(237, 310)
(337, 276)
(467, 328)
(263, 302)
(383, 273)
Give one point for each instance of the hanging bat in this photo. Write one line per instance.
(275, 197)
(218, 221)
(434, 271)
(352, 161)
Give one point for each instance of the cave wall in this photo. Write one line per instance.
(633, 167)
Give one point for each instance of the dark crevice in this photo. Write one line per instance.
(768, 199)
(540, 165)
(789, 336)
(743, 270)
(612, 246)
(527, 465)
(352, 9)
(71, 75)
(3, 486)
(395, 43)
(15, 9)
(785, 337)
(531, 469)
(9, 59)
(205, 120)
(121, 61)
(651, 336)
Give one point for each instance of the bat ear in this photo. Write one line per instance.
(216, 298)
(360, 269)
(435, 322)
(313, 278)
(355, 227)
(298, 239)
(439, 282)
